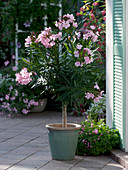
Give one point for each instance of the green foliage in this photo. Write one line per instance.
(20, 11)
(97, 110)
(96, 138)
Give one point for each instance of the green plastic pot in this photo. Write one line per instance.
(63, 141)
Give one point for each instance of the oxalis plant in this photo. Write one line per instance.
(66, 59)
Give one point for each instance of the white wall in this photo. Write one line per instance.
(109, 63)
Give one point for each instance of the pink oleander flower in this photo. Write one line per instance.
(23, 77)
(25, 100)
(100, 97)
(77, 64)
(47, 38)
(14, 68)
(78, 34)
(76, 53)
(101, 93)
(7, 97)
(88, 60)
(24, 111)
(70, 17)
(65, 22)
(16, 92)
(88, 50)
(89, 95)
(32, 102)
(10, 88)
(28, 41)
(79, 46)
(6, 63)
(13, 98)
(92, 27)
(36, 103)
(82, 64)
(90, 34)
(94, 38)
(75, 24)
(96, 86)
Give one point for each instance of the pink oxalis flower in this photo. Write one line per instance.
(95, 131)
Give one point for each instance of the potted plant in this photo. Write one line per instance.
(65, 59)
(21, 97)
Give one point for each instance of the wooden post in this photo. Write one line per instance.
(64, 116)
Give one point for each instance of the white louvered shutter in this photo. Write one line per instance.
(119, 69)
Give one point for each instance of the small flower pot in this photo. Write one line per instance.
(40, 107)
(63, 141)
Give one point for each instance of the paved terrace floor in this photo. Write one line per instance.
(24, 146)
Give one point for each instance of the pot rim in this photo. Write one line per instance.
(58, 127)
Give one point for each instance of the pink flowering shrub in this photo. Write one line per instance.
(94, 13)
(17, 97)
(67, 59)
(96, 138)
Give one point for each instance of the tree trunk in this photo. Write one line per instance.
(64, 116)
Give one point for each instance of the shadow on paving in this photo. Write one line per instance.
(24, 145)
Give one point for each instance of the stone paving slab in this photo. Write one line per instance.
(24, 146)
(112, 165)
(120, 156)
